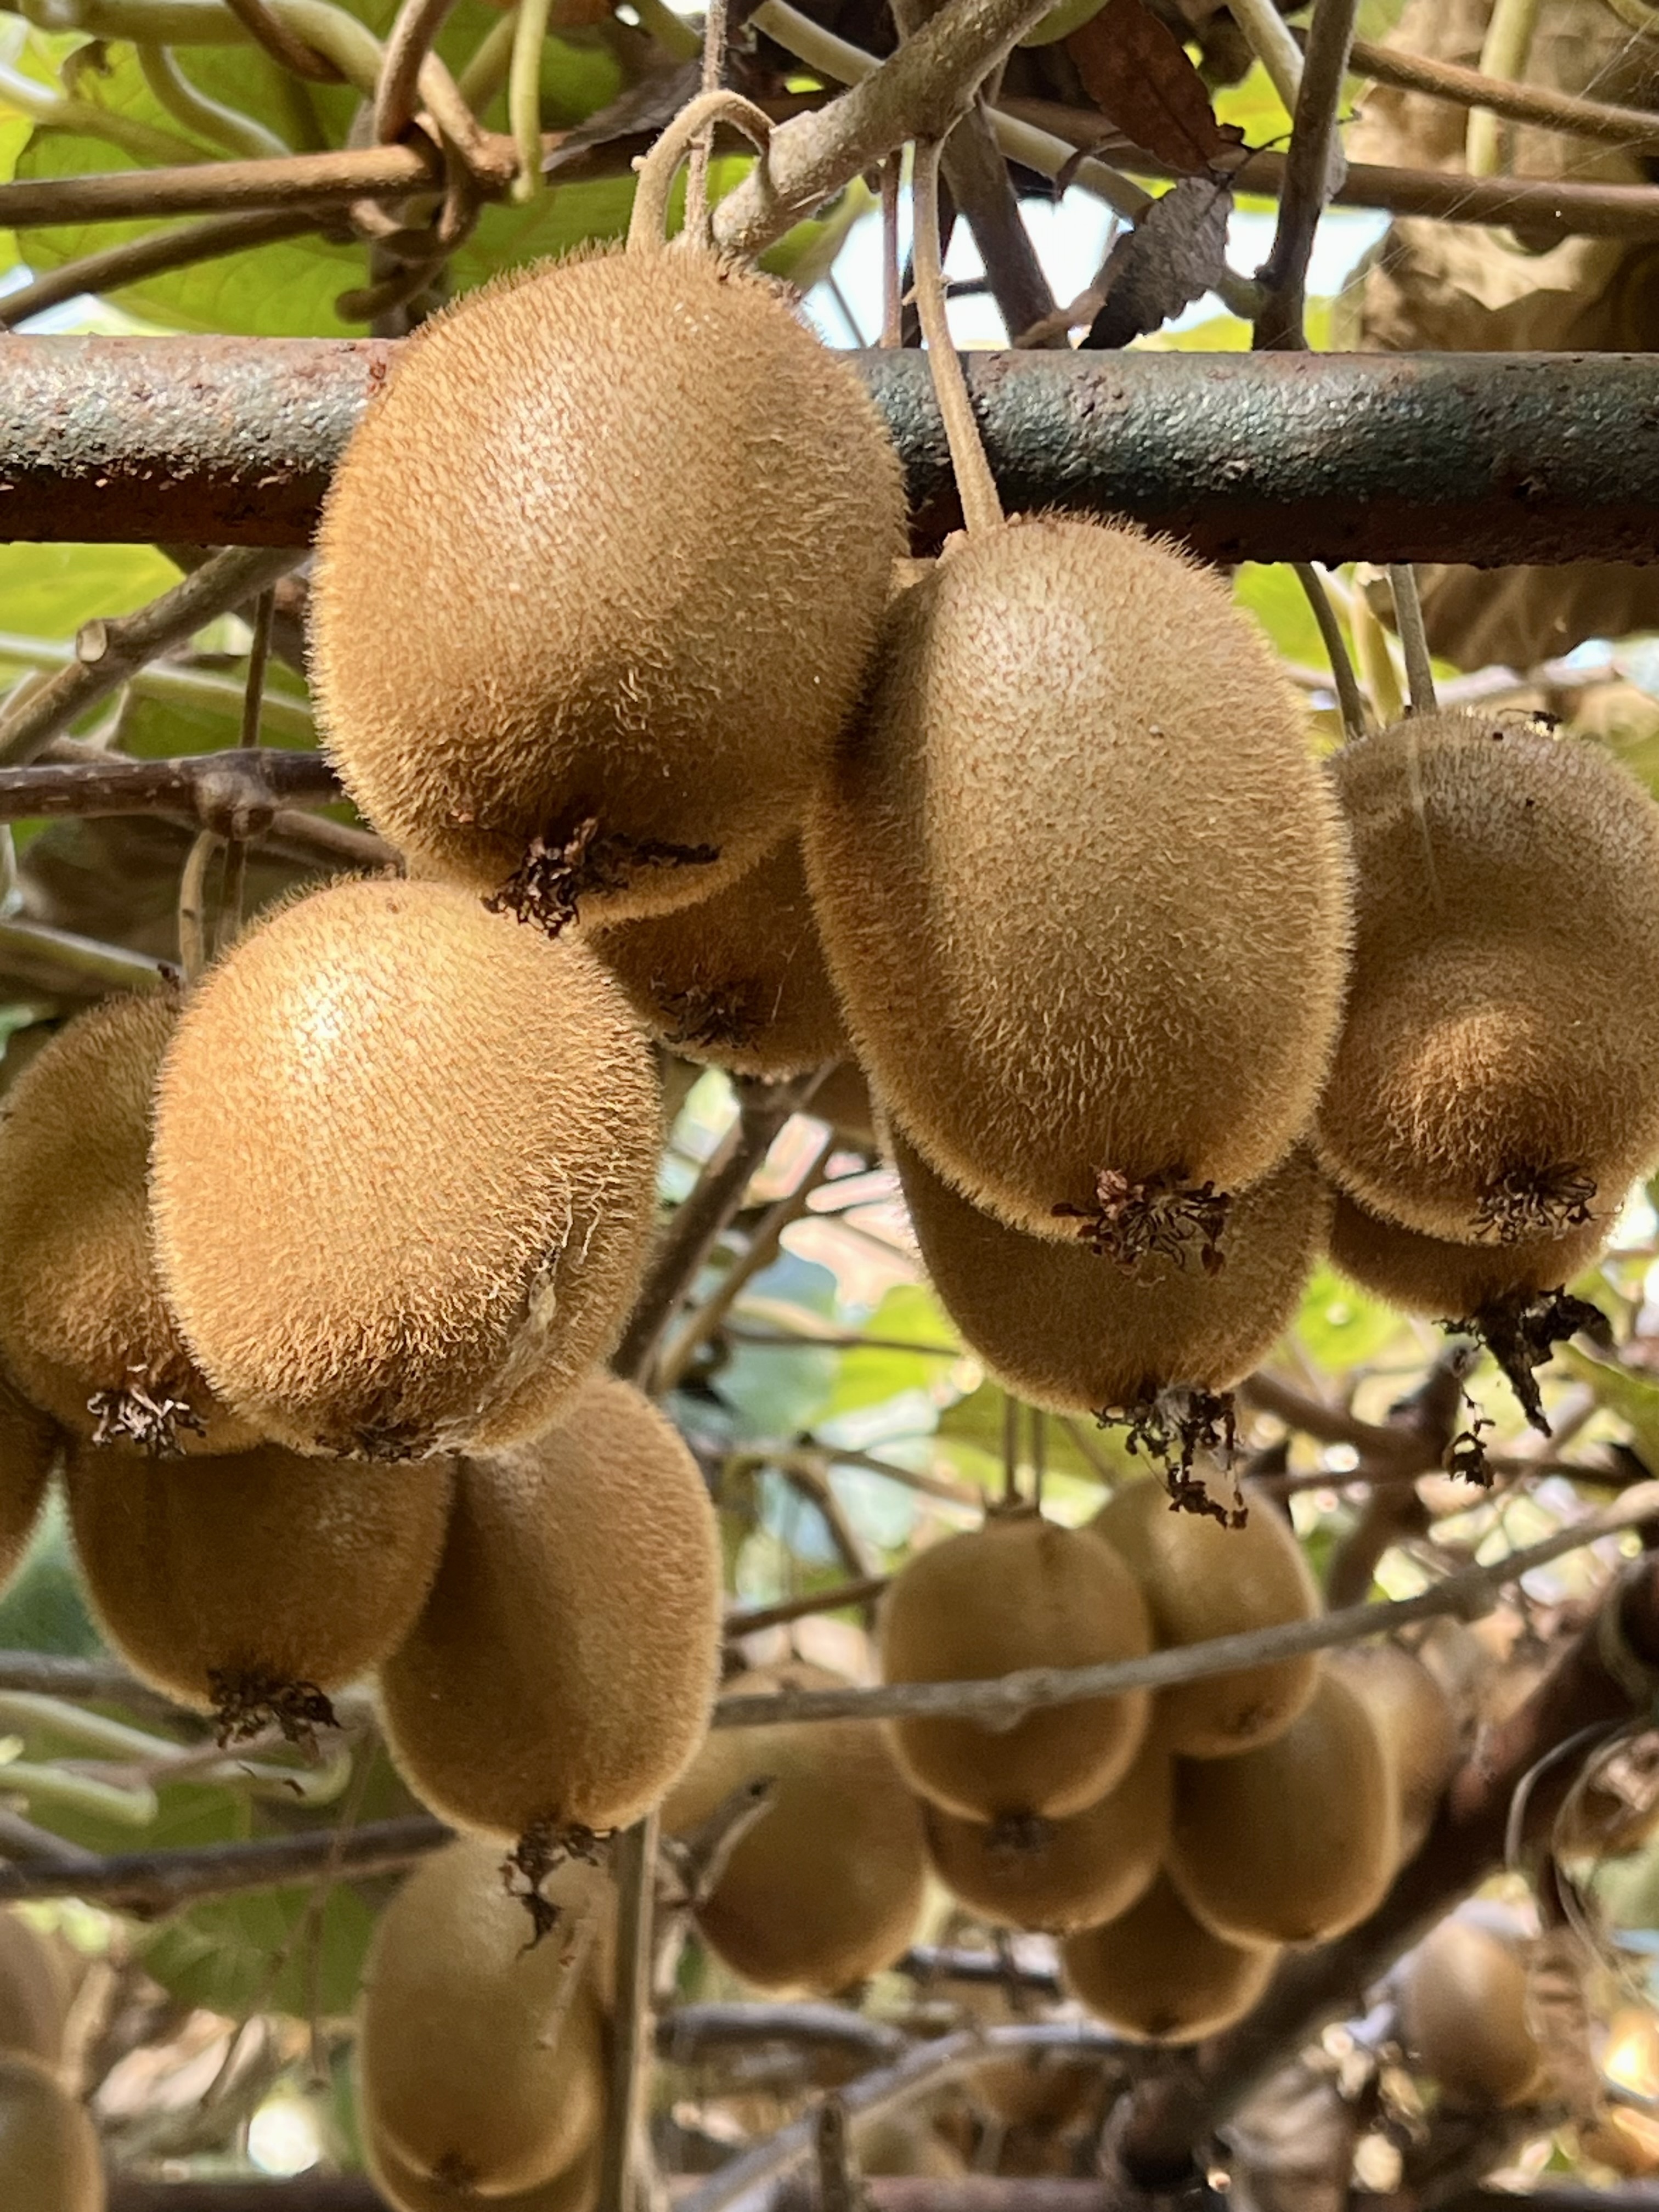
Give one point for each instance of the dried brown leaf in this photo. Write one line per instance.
(1173, 256)
(1139, 75)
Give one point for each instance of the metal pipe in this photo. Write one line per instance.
(1482, 457)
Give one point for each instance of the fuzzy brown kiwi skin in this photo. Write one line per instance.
(560, 1676)
(645, 665)
(738, 978)
(476, 2057)
(1059, 1330)
(84, 1325)
(30, 1445)
(1296, 1840)
(1419, 1727)
(1159, 1975)
(828, 1885)
(1201, 1580)
(1004, 857)
(1019, 1592)
(49, 2154)
(253, 1586)
(1497, 1077)
(1055, 1876)
(34, 1994)
(1462, 2012)
(404, 1171)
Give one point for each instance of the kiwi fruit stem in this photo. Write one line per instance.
(1413, 639)
(647, 225)
(981, 508)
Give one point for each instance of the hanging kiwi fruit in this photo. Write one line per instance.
(1497, 1077)
(253, 1586)
(1019, 1592)
(29, 1448)
(1463, 2016)
(437, 1132)
(1062, 1332)
(1201, 1579)
(1512, 1297)
(826, 1886)
(1159, 1975)
(34, 1994)
(1058, 1875)
(738, 978)
(560, 1678)
(1295, 1840)
(1418, 1724)
(406, 2189)
(83, 1326)
(481, 2062)
(661, 518)
(49, 2155)
(1003, 856)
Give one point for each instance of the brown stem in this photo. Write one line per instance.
(1308, 178)
(981, 508)
(702, 1217)
(1168, 2117)
(150, 1883)
(268, 29)
(749, 1620)
(1633, 129)
(311, 180)
(235, 793)
(631, 2026)
(408, 43)
(150, 256)
(108, 652)
(1467, 1593)
(62, 960)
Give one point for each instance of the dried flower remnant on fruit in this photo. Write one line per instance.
(552, 881)
(1534, 1203)
(145, 1412)
(1174, 1428)
(541, 1850)
(246, 1704)
(1521, 1332)
(1162, 1213)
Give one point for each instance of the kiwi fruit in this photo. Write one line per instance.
(560, 1676)
(1463, 1996)
(34, 1993)
(49, 2156)
(1004, 858)
(404, 1171)
(843, 1099)
(1158, 1974)
(1419, 1729)
(639, 670)
(83, 1326)
(1497, 1074)
(481, 2062)
(1059, 1330)
(738, 978)
(252, 1586)
(407, 2189)
(1019, 1592)
(29, 1445)
(1202, 1580)
(1056, 1875)
(1296, 1840)
(827, 1886)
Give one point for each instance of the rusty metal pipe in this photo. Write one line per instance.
(1485, 458)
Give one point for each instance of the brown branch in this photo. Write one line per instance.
(749, 1621)
(236, 793)
(60, 960)
(1591, 1684)
(108, 652)
(927, 1963)
(1468, 1593)
(1307, 180)
(687, 2036)
(631, 2033)
(152, 255)
(150, 1883)
(302, 181)
(703, 1216)
(1327, 1424)
(922, 92)
(1633, 129)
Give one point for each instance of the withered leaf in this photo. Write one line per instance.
(1137, 74)
(1173, 256)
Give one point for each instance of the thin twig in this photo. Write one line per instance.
(266, 26)
(749, 1621)
(109, 652)
(150, 1883)
(408, 44)
(631, 2026)
(153, 255)
(686, 2035)
(37, 948)
(1467, 1593)
(976, 488)
(1505, 52)
(298, 180)
(1308, 177)
(1633, 129)
(696, 167)
(701, 1218)
(235, 871)
(1413, 638)
(1272, 42)
(1336, 650)
(237, 793)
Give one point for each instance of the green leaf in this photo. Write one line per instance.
(44, 1609)
(49, 590)
(971, 1432)
(1339, 1326)
(1632, 1397)
(230, 1953)
(871, 1376)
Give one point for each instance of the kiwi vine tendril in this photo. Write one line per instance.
(699, 220)
(981, 508)
(524, 96)
(1348, 696)
(647, 225)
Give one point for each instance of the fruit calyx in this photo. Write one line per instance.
(1172, 1427)
(1532, 1201)
(549, 882)
(1162, 1213)
(544, 1847)
(1520, 1332)
(144, 1411)
(246, 1703)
